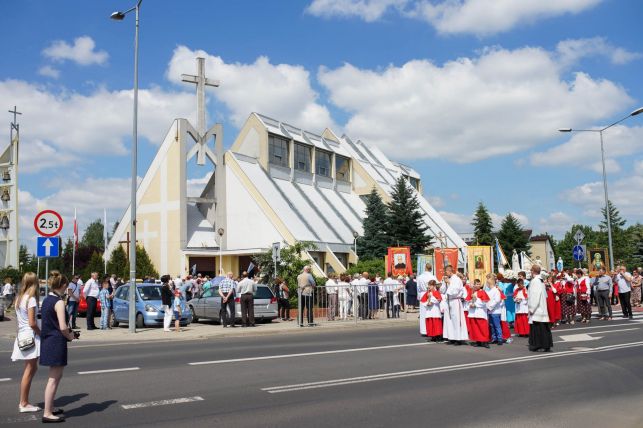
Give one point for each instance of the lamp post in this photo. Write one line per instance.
(119, 16)
(220, 232)
(607, 213)
(355, 236)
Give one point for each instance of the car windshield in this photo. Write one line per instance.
(263, 293)
(150, 292)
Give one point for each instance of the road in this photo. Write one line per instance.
(375, 378)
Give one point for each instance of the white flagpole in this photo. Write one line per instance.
(73, 253)
(105, 237)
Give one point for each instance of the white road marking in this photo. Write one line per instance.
(126, 369)
(567, 330)
(410, 373)
(307, 354)
(582, 337)
(5, 379)
(162, 402)
(18, 419)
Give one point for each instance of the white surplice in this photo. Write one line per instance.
(423, 286)
(455, 325)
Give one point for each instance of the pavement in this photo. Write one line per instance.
(376, 376)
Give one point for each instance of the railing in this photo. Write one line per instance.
(351, 303)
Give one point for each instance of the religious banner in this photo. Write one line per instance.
(478, 262)
(399, 261)
(440, 254)
(598, 258)
(423, 259)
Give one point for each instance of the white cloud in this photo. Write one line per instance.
(368, 10)
(282, 91)
(49, 71)
(572, 50)
(556, 223)
(435, 201)
(68, 124)
(469, 109)
(196, 185)
(81, 52)
(583, 149)
(479, 17)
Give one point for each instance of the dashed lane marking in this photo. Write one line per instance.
(126, 369)
(162, 402)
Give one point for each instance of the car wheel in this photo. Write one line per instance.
(115, 322)
(194, 317)
(140, 322)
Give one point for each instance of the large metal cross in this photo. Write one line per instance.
(15, 112)
(201, 82)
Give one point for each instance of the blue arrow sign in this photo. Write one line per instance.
(579, 253)
(48, 247)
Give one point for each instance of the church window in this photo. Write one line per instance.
(322, 163)
(415, 183)
(342, 169)
(302, 157)
(278, 150)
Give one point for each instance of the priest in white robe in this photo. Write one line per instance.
(455, 324)
(423, 287)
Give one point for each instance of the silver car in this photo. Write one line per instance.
(208, 306)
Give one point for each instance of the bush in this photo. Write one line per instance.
(372, 266)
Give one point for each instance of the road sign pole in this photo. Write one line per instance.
(46, 277)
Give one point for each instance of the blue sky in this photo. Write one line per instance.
(471, 96)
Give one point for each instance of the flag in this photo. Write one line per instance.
(501, 258)
(251, 268)
(193, 269)
(75, 230)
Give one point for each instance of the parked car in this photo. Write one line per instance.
(208, 306)
(149, 310)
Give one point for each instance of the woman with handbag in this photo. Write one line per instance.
(55, 335)
(27, 345)
(568, 299)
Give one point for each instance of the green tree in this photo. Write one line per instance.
(406, 222)
(565, 246)
(10, 272)
(512, 237)
(93, 236)
(374, 243)
(67, 257)
(118, 263)
(622, 245)
(96, 264)
(373, 266)
(482, 225)
(635, 234)
(27, 262)
(144, 265)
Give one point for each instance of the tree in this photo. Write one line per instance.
(635, 234)
(93, 236)
(565, 246)
(406, 222)
(512, 237)
(118, 263)
(622, 245)
(482, 226)
(27, 262)
(375, 241)
(67, 257)
(374, 267)
(144, 265)
(96, 264)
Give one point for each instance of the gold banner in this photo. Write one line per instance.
(478, 262)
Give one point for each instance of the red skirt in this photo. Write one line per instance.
(521, 325)
(558, 310)
(479, 330)
(433, 327)
(506, 333)
(467, 320)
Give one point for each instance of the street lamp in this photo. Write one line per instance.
(119, 16)
(220, 232)
(355, 236)
(607, 213)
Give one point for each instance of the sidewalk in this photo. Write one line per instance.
(205, 330)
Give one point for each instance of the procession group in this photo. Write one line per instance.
(455, 311)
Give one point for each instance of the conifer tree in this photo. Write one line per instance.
(512, 237)
(144, 265)
(482, 226)
(406, 225)
(375, 241)
(118, 263)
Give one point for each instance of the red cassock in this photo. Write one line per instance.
(479, 327)
(434, 325)
(521, 325)
(558, 314)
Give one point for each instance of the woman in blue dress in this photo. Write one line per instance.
(55, 333)
(373, 298)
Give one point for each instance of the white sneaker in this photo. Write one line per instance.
(166, 330)
(29, 408)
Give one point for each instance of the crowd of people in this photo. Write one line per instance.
(456, 311)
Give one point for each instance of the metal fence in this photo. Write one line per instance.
(351, 303)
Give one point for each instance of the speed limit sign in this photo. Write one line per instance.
(48, 223)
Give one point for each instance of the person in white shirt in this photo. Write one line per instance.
(7, 292)
(422, 287)
(539, 330)
(73, 297)
(331, 291)
(343, 296)
(494, 306)
(246, 290)
(455, 326)
(623, 280)
(354, 298)
(390, 285)
(362, 293)
(90, 291)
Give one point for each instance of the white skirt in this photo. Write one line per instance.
(29, 354)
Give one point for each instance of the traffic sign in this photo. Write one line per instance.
(579, 253)
(276, 254)
(579, 236)
(48, 246)
(48, 223)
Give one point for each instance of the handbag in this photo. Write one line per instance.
(26, 340)
(570, 299)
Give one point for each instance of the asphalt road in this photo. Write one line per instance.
(375, 378)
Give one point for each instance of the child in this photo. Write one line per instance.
(504, 325)
(396, 302)
(494, 306)
(105, 304)
(176, 306)
(432, 299)
(468, 292)
(521, 325)
(478, 323)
